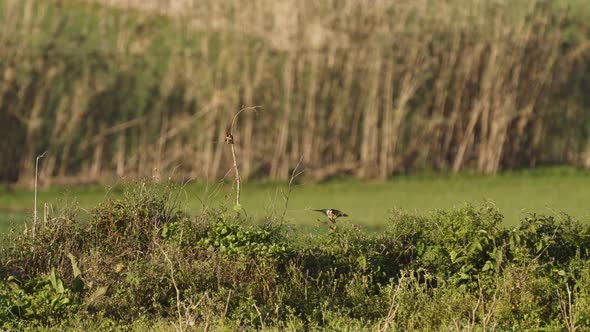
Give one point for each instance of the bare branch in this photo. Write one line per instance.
(173, 283)
(393, 307)
(296, 172)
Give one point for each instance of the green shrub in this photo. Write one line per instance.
(234, 239)
(449, 246)
(40, 300)
(141, 259)
(133, 221)
(550, 239)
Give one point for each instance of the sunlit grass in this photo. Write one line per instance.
(515, 194)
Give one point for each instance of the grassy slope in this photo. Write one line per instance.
(515, 194)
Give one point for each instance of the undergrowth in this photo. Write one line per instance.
(141, 262)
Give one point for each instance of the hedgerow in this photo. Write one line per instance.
(140, 262)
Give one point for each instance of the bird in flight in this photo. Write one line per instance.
(332, 214)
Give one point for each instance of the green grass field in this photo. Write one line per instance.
(138, 266)
(516, 194)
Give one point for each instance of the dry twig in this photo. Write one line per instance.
(173, 283)
(566, 310)
(229, 139)
(393, 307)
(296, 172)
(36, 176)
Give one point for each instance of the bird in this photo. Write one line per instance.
(229, 138)
(332, 214)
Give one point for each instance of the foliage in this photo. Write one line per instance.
(40, 300)
(450, 246)
(142, 263)
(554, 239)
(136, 218)
(234, 239)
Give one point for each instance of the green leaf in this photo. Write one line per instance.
(488, 265)
(362, 261)
(60, 286)
(56, 282)
(53, 279)
(453, 255)
(78, 284)
(75, 268)
(476, 246)
(97, 294)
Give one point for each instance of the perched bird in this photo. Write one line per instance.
(332, 214)
(229, 138)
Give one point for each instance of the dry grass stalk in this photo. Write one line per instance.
(394, 305)
(35, 203)
(171, 266)
(567, 310)
(286, 196)
(229, 139)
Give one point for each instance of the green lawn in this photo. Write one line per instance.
(516, 194)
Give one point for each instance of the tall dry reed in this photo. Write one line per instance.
(367, 88)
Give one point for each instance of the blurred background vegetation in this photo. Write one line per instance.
(355, 87)
(123, 92)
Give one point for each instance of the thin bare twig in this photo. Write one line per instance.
(227, 304)
(566, 310)
(294, 175)
(393, 307)
(36, 176)
(173, 283)
(260, 316)
(45, 214)
(488, 313)
(472, 317)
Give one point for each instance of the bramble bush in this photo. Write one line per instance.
(140, 262)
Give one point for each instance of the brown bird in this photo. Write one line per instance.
(229, 138)
(332, 214)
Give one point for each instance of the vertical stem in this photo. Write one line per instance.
(45, 214)
(233, 154)
(310, 116)
(276, 171)
(229, 139)
(36, 176)
(370, 127)
(387, 128)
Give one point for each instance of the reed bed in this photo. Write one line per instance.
(354, 87)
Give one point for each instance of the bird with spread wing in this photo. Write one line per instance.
(332, 214)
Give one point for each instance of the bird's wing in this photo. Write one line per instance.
(340, 213)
